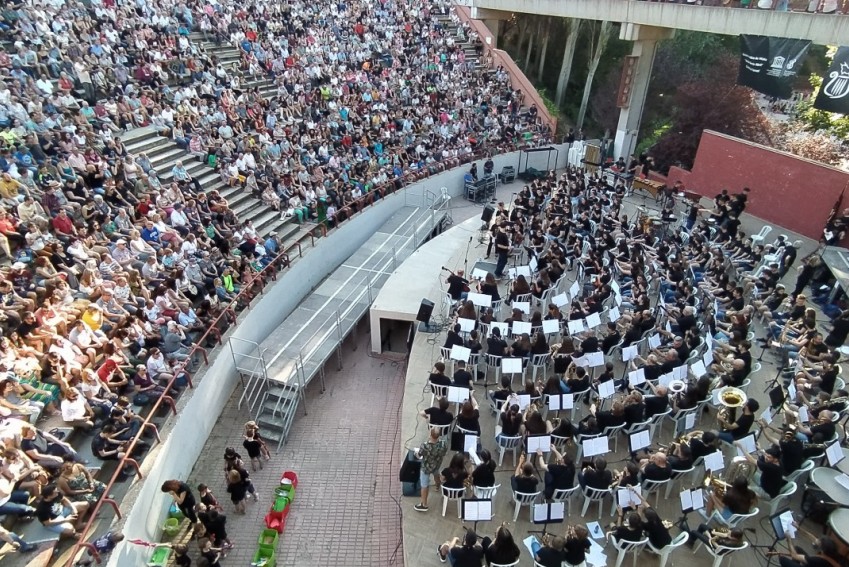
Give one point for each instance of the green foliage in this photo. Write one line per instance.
(817, 120)
(654, 133)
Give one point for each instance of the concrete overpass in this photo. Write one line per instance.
(647, 23)
(823, 29)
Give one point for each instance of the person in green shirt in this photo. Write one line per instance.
(431, 455)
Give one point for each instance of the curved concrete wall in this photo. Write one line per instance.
(199, 408)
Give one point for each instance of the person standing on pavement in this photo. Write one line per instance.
(502, 250)
(431, 455)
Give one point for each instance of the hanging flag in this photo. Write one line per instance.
(769, 64)
(834, 91)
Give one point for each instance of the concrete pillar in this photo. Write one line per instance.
(494, 26)
(645, 40)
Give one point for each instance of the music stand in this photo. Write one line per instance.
(689, 499)
(550, 513)
(477, 510)
(777, 523)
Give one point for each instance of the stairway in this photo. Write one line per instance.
(163, 154)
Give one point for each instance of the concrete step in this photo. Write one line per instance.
(151, 144)
(272, 427)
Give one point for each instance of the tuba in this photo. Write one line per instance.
(718, 485)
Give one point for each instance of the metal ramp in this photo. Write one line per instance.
(314, 331)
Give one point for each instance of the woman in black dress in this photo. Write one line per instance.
(183, 498)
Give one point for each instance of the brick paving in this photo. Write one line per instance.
(344, 451)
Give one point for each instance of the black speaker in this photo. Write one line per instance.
(488, 211)
(425, 311)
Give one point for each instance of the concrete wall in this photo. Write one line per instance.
(786, 190)
(823, 29)
(198, 414)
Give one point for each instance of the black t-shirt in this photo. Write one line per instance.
(624, 533)
(634, 413)
(575, 550)
(100, 444)
(456, 286)
(46, 511)
(501, 239)
(562, 477)
(828, 378)
(655, 404)
(483, 476)
(439, 379)
(183, 560)
(772, 477)
(550, 557)
(599, 480)
(655, 472)
(658, 535)
(438, 416)
(526, 484)
(503, 555)
(463, 378)
(700, 449)
(470, 423)
(453, 479)
(467, 556)
(827, 430)
(496, 346)
(744, 424)
(792, 455)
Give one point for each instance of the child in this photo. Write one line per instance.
(233, 461)
(254, 449)
(238, 488)
(207, 498)
(181, 555)
(217, 529)
(211, 554)
(104, 545)
(252, 426)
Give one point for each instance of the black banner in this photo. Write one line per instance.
(834, 91)
(769, 64)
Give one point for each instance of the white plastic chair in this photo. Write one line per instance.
(613, 432)
(437, 392)
(524, 499)
(486, 491)
(665, 551)
(508, 444)
(734, 520)
(540, 362)
(787, 491)
(505, 564)
(493, 361)
(720, 552)
(564, 495)
(625, 547)
(444, 430)
(653, 487)
(455, 494)
(445, 354)
(677, 476)
(759, 237)
(799, 475)
(594, 495)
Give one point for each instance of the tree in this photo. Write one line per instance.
(573, 28)
(542, 52)
(712, 102)
(819, 120)
(598, 43)
(818, 146)
(525, 67)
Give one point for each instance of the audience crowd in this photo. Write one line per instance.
(116, 270)
(674, 296)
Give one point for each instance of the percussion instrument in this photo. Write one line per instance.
(651, 187)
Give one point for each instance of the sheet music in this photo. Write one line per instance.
(637, 377)
(532, 264)
(557, 402)
(639, 440)
(595, 359)
(665, 379)
(479, 274)
(714, 396)
(714, 461)
(511, 365)
(574, 289)
(748, 443)
(834, 453)
(593, 320)
(787, 523)
(613, 315)
(458, 395)
(618, 299)
(477, 510)
(520, 327)
(523, 271)
(596, 446)
(654, 340)
(581, 361)
(668, 327)
(560, 299)
(698, 499)
(502, 328)
(614, 285)
(698, 369)
(466, 325)
(803, 414)
(557, 511)
(540, 513)
(686, 500)
(629, 353)
(606, 389)
(470, 444)
(766, 416)
(576, 326)
(480, 299)
(524, 401)
(791, 391)
(550, 326)
(707, 358)
(543, 443)
(628, 499)
(523, 306)
(709, 341)
(690, 421)
(460, 353)
(680, 372)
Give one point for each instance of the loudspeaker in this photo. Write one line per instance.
(425, 311)
(488, 211)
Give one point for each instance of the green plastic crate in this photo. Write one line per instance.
(264, 557)
(160, 557)
(268, 538)
(287, 489)
(280, 503)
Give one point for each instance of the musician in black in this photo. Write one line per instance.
(458, 286)
(502, 250)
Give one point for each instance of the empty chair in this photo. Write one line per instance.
(665, 551)
(720, 552)
(539, 362)
(437, 392)
(625, 547)
(445, 353)
(493, 361)
(524, 499)
(612, 432)
(508, 444)
(759, 237)
(472, 366)
(653, 487)
(455, 494)
(594, 495)
(677, 476)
